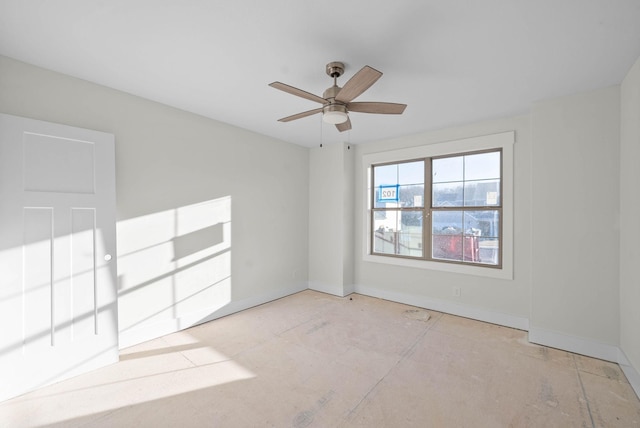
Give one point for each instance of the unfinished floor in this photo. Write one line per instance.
(311, 359)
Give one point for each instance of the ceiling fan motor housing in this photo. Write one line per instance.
(331, 92)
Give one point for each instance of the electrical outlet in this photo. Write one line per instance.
(456, 291)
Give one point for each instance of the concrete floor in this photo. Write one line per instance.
(316, 360)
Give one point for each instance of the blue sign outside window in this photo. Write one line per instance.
(388, 193)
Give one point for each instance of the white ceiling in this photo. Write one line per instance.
(451, 61)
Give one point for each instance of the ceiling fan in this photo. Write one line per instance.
(337, 102)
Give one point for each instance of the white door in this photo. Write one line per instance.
(58, 296)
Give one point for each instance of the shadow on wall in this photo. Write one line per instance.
(174, 263)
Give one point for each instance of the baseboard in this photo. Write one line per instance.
(576, 344)
(588, 347)
(479, 314)
(336, 290)
(162, 328)
(629, 371)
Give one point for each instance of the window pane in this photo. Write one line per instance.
(447, 169)
(411, 173)
(384, 231)
(482, 166)
(482, 223)
(447, 235)
(489, 249)
(447, 194)
(398, 232)
(410, 236)
(401, 183)
(446, 222)
(385, 175)
(484, 227)
(400, 173)
(412, 196)
(482, 193)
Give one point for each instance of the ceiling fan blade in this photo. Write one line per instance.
(344, 126)
(379, 108)
(300, 115)
(298, 92)
(360, 82)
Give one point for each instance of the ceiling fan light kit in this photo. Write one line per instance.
(336, 101)
(334, 114)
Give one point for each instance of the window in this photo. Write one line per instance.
(444, 206)
(457, 212)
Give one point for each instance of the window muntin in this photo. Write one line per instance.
(461, 220)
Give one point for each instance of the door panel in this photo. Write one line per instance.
(58, 304)
(54, 164)
(83, 297)
(37, 314)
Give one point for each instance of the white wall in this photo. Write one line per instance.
(331, 219)
(629, 219)
(576, 161)
(211, 218)
(497, 300)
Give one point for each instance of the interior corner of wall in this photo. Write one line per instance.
(329, 288)
(632, 373)
(575, 344)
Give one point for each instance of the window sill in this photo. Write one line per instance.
(488, 272)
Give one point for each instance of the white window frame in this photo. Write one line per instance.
(503, 141)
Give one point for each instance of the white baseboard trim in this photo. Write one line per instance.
(588, 347)
(629, 371)
(479, 314)
(576, 344)
(161, 328)
(336, 290)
